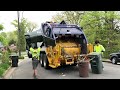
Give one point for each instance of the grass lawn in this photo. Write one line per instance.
(3, 68)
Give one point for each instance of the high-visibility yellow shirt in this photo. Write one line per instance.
(35, 52)
(99, 48)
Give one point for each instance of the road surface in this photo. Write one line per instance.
(24, 71)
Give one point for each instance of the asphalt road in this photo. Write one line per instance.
(24, 71)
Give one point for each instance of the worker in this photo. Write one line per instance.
(99, 48)
(35, 58)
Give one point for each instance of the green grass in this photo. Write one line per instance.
(3, 68)
(1, 71)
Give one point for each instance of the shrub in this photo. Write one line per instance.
(4, 66)
(21, 57)
(1, 71)
(5, 57)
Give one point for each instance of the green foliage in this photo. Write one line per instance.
(5, 57)
(21, 33)
(25, 26)
(1, 27)
(12, 42)
(12, 37)
(4, 34)
(21, 57)
(5, 63)
(3, 40)
(1, 71)
(4, 66)
(31, 26)
(73, 17)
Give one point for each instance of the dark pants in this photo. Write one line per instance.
(35, 62)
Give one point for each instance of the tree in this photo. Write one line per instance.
(3, 34)
(25, 26)
(31, 26)
(21, 37)
(12, 41)
(103, 26)
(3, 40)
(73, 17)
(3, 37)
(1, 27)
(92, 22)
(12, 35)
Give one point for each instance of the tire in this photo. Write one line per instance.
(114, 60)
(41, 60)
(45, 62)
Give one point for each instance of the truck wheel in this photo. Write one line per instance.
(45, 62)
(114, 60)
(41, 60)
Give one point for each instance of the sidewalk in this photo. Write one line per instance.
(106, 60)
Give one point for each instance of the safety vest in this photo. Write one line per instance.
(35, 52)
(99, 48)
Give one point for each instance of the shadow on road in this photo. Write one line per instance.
(64, 69)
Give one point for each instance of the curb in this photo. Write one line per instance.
(106, 61)
(6, 71)
(9, 73)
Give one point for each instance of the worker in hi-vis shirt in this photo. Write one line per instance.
(99, 48)
(35, 58)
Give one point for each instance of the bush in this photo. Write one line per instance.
(5, 57)
(21, 57)
(1, 71)
(4, 66)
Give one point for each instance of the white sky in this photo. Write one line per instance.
(6, 17)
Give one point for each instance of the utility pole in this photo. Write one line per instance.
(18, 15)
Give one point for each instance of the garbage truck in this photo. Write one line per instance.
(60, 43)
